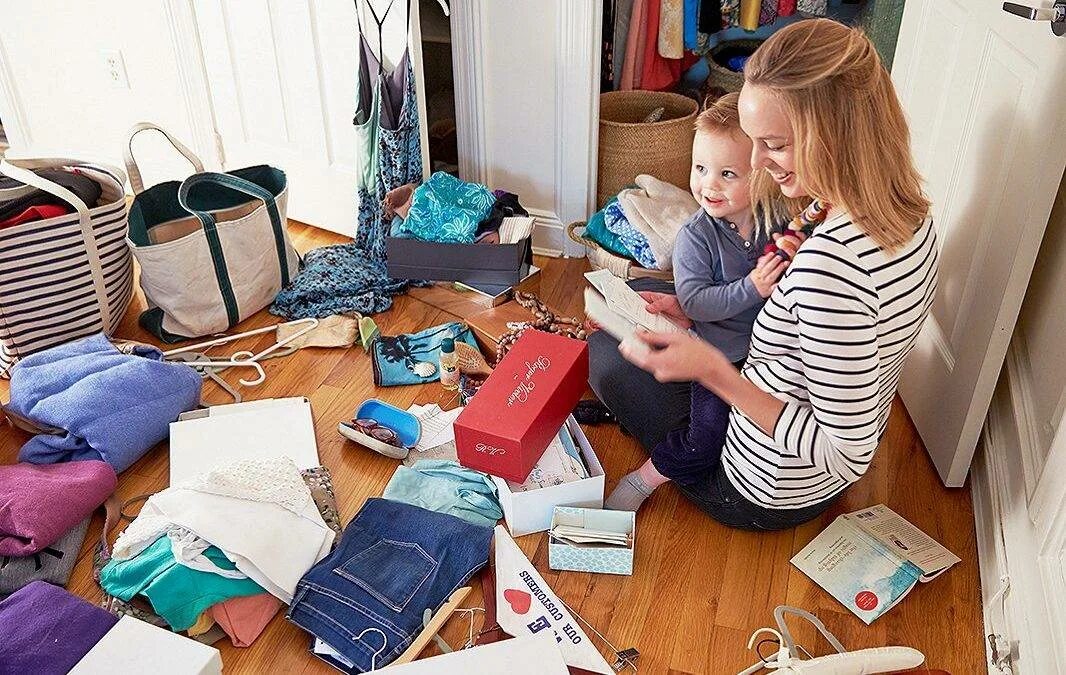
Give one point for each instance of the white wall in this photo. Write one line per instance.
(50, 55)
(535, 92)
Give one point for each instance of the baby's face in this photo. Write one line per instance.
(721, 166)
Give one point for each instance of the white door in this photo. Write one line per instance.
(283, 76)
(986, 101)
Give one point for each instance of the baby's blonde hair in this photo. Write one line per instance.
(851, 137)
(722, 115)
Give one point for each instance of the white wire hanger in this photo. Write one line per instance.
(245, 358)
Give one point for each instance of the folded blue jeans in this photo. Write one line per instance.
(395, 560)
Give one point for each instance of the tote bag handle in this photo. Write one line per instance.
(207, 219)
(136, 183)
(20, 170)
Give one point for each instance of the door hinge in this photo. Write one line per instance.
(1002, 653)
(220, 150)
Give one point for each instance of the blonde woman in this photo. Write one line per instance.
(802, 421)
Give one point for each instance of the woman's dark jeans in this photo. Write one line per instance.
(682, 426)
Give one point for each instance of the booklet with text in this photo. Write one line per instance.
(870, 559)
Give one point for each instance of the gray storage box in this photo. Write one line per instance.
(500, 264)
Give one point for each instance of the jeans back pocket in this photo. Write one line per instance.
(390, 571)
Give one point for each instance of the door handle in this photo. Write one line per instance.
(1055, 14)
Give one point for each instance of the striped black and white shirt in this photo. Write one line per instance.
(830, 343)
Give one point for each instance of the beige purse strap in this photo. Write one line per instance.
(136, 182)
(20, 170)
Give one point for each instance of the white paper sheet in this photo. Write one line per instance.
(252, 430)
(527, 655)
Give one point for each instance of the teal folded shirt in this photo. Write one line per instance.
(442, 485)
(178, 593)
(596, 230)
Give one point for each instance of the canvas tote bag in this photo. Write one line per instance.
(66, 277)
(213, 249)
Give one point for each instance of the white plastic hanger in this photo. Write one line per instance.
(245, 358)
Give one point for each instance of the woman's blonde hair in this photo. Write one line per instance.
(722, 115)
(851, 138)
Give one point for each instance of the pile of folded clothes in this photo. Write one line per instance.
(641, 223)
(227, 547)
(447, 210)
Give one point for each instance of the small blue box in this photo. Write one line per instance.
(593, 557)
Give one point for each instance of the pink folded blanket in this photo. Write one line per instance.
(39, 503)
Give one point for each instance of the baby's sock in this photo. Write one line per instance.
(634, 488)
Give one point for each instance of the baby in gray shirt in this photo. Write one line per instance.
(721, 273)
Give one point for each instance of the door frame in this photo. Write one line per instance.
(576, 143)
(1017, 576)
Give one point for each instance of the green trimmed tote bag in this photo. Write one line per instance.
(213, 249)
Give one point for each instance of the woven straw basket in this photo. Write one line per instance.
(629, 146)
(602, 259)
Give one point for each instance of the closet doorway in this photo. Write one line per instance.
(439, 87)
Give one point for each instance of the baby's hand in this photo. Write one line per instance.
(767, 272)
(789, 242)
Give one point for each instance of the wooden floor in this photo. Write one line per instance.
(698, 589)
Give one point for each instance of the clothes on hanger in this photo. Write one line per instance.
(749, 14)
(671, 39)
(786, 7)
(814, 7)
(635, 41)
(657, 73)
(349, 278)
(768, 12)
(730, 13)
(710, 17)
(691, 21)
(623, 15)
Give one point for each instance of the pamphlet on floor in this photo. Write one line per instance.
(870, 559)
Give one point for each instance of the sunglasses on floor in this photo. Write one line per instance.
(375, 430)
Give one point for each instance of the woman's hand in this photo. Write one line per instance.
(789, 242)
(675, 357)
(668, 305)
(767, 273)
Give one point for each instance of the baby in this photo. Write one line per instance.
(722, 276)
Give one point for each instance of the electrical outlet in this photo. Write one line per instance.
(115, 68)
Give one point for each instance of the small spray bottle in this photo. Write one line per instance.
(449, 365)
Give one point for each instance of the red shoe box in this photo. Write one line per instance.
(519, 409)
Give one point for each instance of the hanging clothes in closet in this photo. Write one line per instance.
(352, 278)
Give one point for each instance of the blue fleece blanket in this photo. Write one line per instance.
(103, 404)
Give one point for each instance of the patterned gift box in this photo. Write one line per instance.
(592, 557)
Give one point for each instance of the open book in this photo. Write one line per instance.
(870, 559)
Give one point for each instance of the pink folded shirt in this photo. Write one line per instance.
(244, 618)
(39, 503)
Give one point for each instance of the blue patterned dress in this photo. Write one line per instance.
(352, 278)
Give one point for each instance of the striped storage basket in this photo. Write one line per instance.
(66, 277)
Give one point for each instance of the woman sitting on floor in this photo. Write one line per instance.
(772, 447)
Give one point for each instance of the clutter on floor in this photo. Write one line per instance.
(248, 527)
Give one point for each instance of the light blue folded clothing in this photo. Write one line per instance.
(614, 218)
(442, 485)
(99, 403)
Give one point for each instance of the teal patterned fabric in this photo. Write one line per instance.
(447, 210)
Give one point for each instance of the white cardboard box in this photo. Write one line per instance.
(134, 646)
(529, 512)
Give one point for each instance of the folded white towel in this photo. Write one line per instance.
(658, 210)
